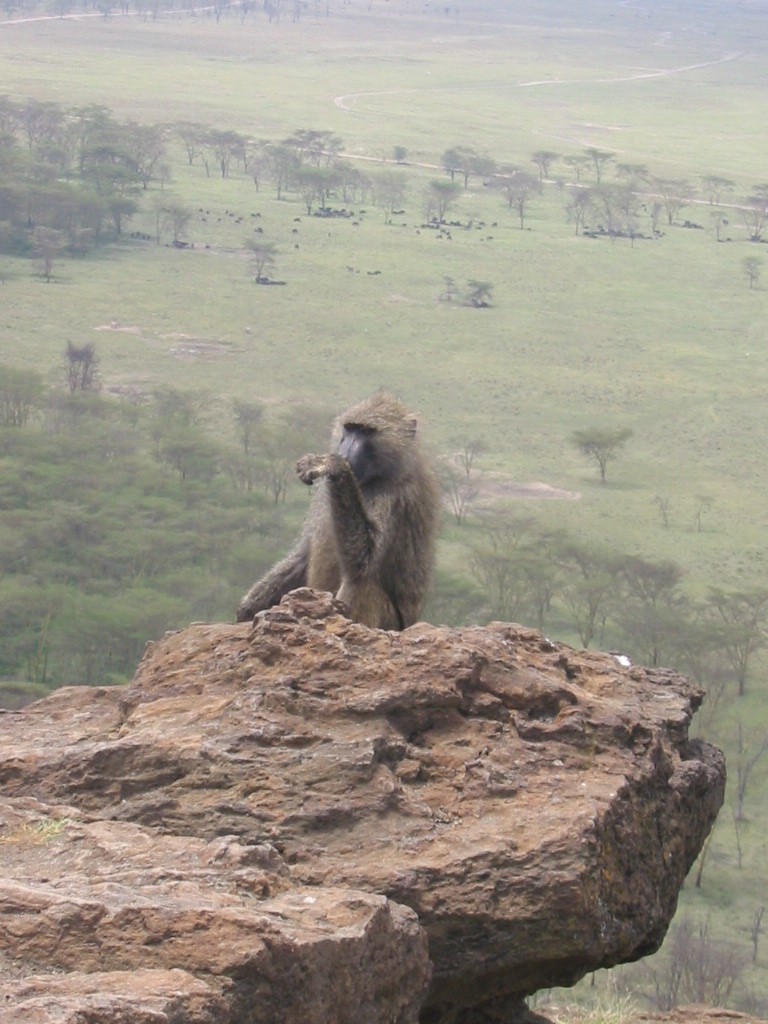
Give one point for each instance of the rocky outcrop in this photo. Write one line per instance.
(271, 822)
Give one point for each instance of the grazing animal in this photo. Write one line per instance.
(370, 531)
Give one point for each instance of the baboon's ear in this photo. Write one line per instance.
(411, 425)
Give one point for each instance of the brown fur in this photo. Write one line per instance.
(369, 534)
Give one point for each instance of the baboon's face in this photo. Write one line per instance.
(358, 446)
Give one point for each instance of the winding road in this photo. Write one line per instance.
(347, 101)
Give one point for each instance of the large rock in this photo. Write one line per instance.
(537, 807)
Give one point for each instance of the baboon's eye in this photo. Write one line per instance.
(360, 428)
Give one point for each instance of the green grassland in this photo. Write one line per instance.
(662, 335)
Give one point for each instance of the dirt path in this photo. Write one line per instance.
(347, 101)
(111, 14)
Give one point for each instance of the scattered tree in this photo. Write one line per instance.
(441, 195)
(511, 564)
(81, 365)
(751, 747)
(739, 620)
(479, 294)
(316, 184)
(248, 416)
(262, 256)
(467, 452)
(615, 209)
(460, 490)
(674, 194)
(589, 583)
(634, 174)
(578, 207)
(756, 931)
(48, 243)
(752, 267)
(663, 504)
(192, 136)
(20, 393)
(459, 160)
(458, 480)
(704, 505)
(755, 213)
(599, 159)
(544, 158)
(716, 187)
(652, 608)
(315, 146)
(578, 164)
(601, 444)
(390, 191)
(224, 147)
(519, 188)
(284, 164)
(695, 967)
(171, 215)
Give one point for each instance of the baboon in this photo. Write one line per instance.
(369, 533)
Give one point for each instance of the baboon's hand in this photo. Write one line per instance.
(313, 467)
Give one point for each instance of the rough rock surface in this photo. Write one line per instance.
(680, 1015)
(253, 822)
(696, 1015)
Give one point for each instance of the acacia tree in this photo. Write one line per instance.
(589, 583)
(468, 450)
(460, 489)
(350, 181)
(755, 213)
(514, 570)
(601, 444)
(519, 188)
(459, 160)
(20, 392)
(653, 609)
(81, 365)
(599, 159)
(716, 187)
(578, 206)
(262, 255)
(192, 135)
(314, 146)
(284, 164)
(615, 208)
(751, 266)
(673, 193)
(390, 190)
(459, 485)
(224, 146)
(146, 147)
(578, 164)
(544, 158)
(740, 620)
(479, 294)
(316, 185)
(171, 215)
(440, 197)
(48, 243)
(248, 416)
(751, 747)
(695, 967)
(634, 174)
